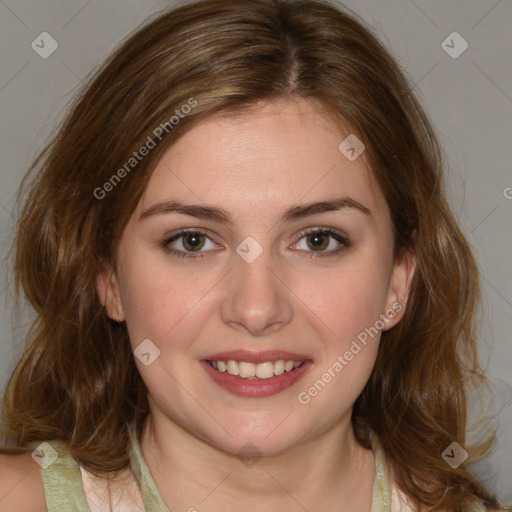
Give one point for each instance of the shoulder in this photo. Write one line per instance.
(21, 484)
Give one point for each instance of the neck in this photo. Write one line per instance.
(330, 471)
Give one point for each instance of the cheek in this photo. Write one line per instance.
(349, 302)
(158, 304)
(350, 298)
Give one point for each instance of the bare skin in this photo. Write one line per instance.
(255, 166)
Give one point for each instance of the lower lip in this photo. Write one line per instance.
(256, 388)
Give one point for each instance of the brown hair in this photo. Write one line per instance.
(77, 380)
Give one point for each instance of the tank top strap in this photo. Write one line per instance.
(153, 502)
(381, 501)
(61, 477)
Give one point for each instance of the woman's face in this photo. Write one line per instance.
(288, 258)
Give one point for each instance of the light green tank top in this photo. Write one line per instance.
(63, 487)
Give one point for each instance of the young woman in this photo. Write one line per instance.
(250, 291)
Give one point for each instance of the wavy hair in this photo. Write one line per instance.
(77, 380)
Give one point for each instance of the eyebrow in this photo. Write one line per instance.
(220, 215)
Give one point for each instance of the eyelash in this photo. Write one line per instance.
(312, 254)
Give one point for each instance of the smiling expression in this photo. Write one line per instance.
(287, 255)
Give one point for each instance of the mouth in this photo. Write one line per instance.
(252, 371)
(256, 375)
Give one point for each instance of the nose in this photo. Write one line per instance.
(257, 300)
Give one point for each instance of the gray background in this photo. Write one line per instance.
(469, 99)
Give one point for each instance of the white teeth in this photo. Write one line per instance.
(279, 367)
(246, 370)
(264, 370)
(232, 367)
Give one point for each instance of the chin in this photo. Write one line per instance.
(256, 442)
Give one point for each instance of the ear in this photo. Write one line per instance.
(399, 288)
(108, 293)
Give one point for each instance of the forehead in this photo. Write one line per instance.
(262, 161)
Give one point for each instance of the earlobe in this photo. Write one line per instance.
(108, 294)
(399, 288)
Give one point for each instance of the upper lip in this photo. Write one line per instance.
(256, 357)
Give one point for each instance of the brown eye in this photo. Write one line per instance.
(193, 241)
(318, 241)
(188, 244)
